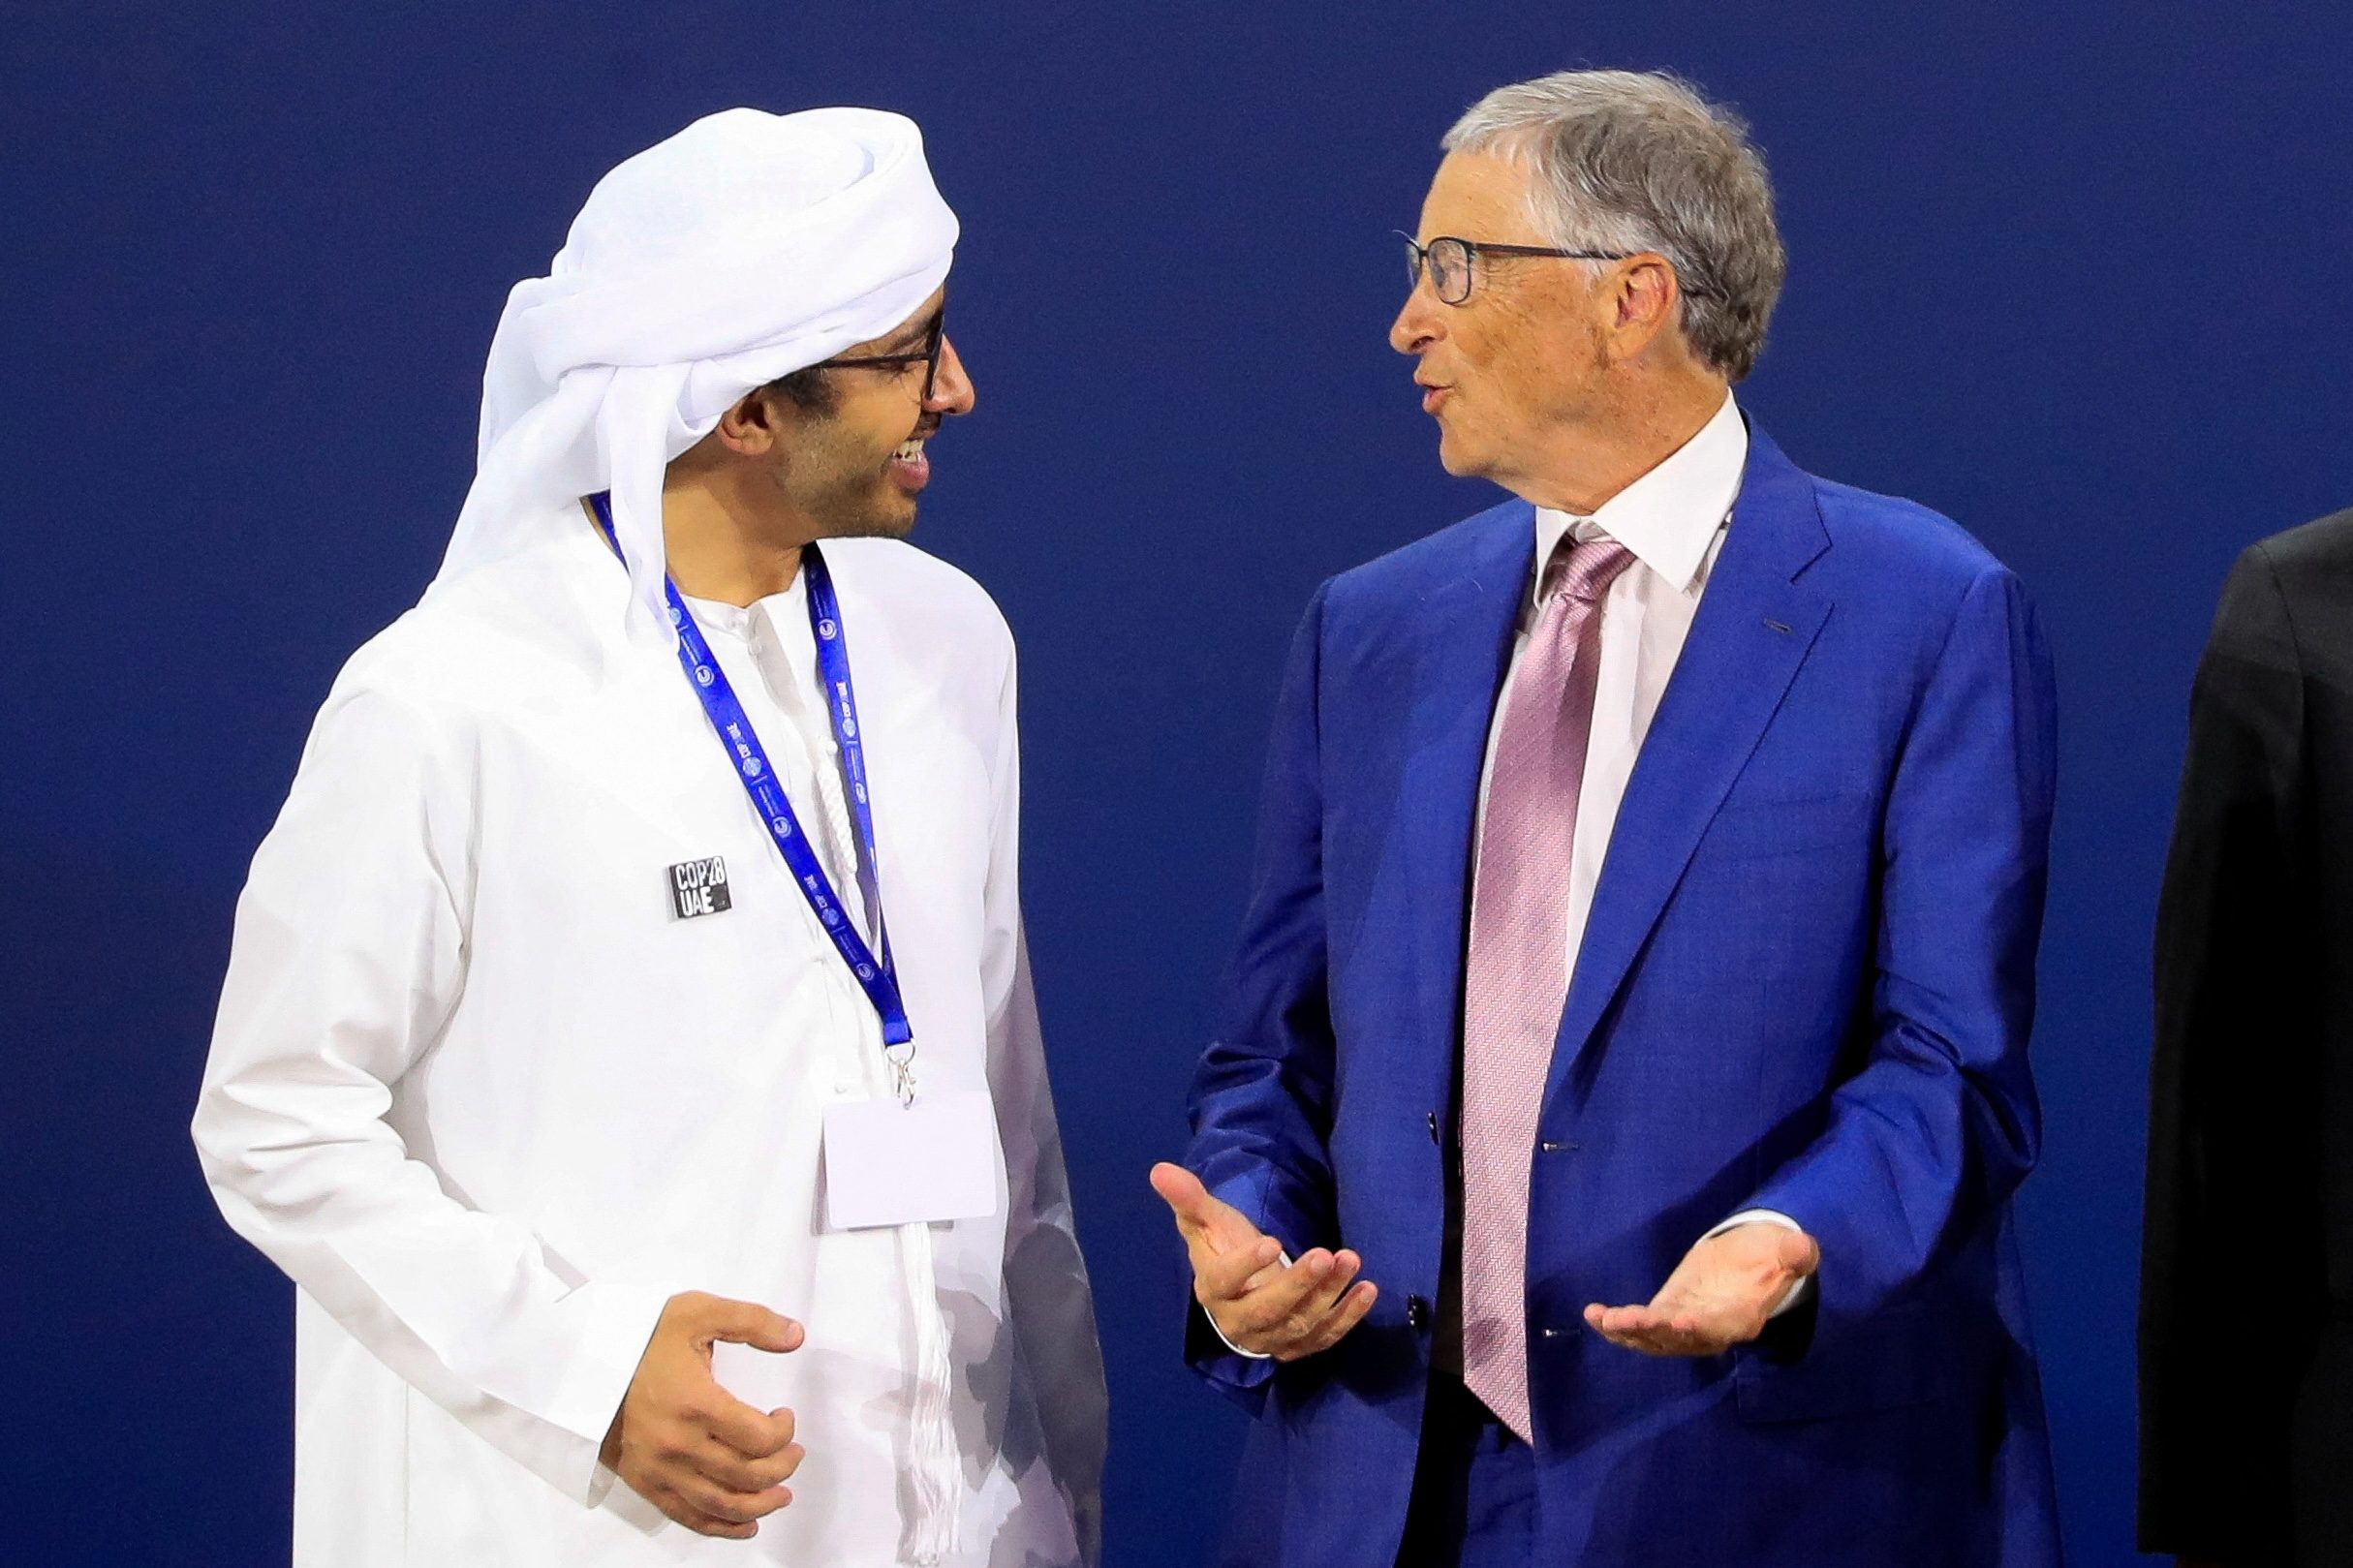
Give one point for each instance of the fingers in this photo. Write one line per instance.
(1646, 1328)
(1182, 1192)
(718, 1502)
(741, 1472)
(1344, 1315)
(711, 1487)
(1657, 1331)
(747, 1323)
(704, 1458)
(1720, 1295)
(1261, 1278)
(680, 1504)
(1296, 1311)
(1224, 1276)
(1285, 1296)
(748, 1431)
(1325, 1297)
(1196, 1211)
(700, 1523)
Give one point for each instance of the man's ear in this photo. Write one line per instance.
(754, 425)
(1644, 297)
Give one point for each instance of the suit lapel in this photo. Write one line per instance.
(1466, 643)
(1754, 628)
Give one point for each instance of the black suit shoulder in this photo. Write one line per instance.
(2318, 547)
(2311, 575)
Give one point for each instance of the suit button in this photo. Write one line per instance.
(1417, 1313)
(1551, 1147)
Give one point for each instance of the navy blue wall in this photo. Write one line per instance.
(2076, 274)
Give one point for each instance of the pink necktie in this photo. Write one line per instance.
(1518, 974)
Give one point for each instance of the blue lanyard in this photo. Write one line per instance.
(878, 976)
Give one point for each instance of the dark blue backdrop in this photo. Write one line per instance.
(2075, 274)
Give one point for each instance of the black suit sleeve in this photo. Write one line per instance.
(2232, 1285)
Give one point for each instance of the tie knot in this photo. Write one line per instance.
(1584, 568)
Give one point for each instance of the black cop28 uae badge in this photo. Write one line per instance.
(700, 887)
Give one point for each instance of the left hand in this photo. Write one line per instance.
(1719, 1296)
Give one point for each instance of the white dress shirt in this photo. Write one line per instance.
(491, 1102)
(1673, 520)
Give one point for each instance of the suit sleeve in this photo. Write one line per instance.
(348, 953)
(1261, 1104)
(1052, 1306)
(1940, 1123)
(2232, 1212)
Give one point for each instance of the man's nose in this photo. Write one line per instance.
(1416, 326)
(951, 391)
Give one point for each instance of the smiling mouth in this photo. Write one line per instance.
(908, 467)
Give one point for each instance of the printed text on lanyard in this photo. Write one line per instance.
(877, 976)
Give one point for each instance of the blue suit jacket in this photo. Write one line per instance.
(1806, 985)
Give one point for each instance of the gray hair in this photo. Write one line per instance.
(1639, 160)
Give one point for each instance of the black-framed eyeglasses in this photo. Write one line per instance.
(1449, 261)
(928, 357)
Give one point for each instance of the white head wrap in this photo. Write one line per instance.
(745, 247)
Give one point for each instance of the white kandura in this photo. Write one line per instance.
(490, 1101)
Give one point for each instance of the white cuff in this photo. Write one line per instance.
(1767, 1216)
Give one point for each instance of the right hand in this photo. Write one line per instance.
(688, 1446)
(1239, 1278)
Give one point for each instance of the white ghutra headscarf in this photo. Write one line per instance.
(745, 247)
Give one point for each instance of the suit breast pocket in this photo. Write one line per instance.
(1757, 829)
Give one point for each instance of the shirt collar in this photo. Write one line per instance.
(1669, 516)
(744, 621)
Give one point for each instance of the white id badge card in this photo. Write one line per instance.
(893, 1164)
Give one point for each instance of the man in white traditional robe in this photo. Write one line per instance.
(534, 1054)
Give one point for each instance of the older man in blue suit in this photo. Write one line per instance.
(1606, 1154)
